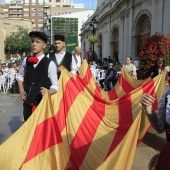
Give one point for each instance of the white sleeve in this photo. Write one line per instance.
(73, 66)
(52, 72)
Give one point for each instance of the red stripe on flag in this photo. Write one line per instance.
(69, 95)
(87, 76)
(125, 121)
(47, 134)
(87, 130)
(125, 85)
(150, 89)
(112, 94)
(41, 140)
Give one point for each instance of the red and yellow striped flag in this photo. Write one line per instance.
(78, 129)
(124, 85)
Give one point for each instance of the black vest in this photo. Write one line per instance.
(35, 78)
(66, 62)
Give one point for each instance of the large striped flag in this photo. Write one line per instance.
(124, 85)
(37, 144)
(78, 129)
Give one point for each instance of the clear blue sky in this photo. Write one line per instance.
(92, 4)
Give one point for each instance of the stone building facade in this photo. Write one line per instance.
(2, 56)
(124, 25)
(9, 26)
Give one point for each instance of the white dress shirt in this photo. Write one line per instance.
(51, 72)
(78, 61)
(131, 68)
(59, 58)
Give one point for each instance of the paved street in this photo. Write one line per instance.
(10, 115)
(11, 119)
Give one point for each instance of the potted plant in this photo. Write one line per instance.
(93, 39)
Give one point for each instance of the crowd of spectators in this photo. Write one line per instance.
(8, 73)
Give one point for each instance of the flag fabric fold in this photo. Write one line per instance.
(124, 85)
(82, 127)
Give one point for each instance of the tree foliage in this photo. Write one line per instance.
(158, 45)
(18, 42)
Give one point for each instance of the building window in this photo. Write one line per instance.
(115, 44)
(5, 10)
(40, 14)
(40, 25)
(40, 1)
(26, 15)
(33, 14)
(40, 9)
(144, 25)
(143, 31)
(5, 15)
(40, 20)
(26, 9)
(45, 29)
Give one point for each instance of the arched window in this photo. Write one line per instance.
(143, 31)
(115, 43)
(84, 48)
(100, 46)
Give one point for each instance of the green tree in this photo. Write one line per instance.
(18, 42)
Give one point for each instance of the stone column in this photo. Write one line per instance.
(2, 55)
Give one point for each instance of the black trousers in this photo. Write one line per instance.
(106, 83)
(27, 110)
(101, 83)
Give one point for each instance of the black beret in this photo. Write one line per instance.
(59, 37)
(39, 34)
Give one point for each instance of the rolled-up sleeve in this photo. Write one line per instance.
(52, 72)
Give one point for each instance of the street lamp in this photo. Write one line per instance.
(93, 26)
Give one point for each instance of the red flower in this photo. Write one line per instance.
(33, 60)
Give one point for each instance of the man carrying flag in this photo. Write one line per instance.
(36, 75)
(62, 57)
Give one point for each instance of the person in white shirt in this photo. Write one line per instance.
(130, 68)
(10, 75)
(37, 75)
(77, 56)
(2, 80)
(5, 70)
(62, 57)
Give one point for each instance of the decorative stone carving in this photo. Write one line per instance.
(124, 13)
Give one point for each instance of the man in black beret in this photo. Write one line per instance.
(39, 34)
(61, 57)
(36, 75)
